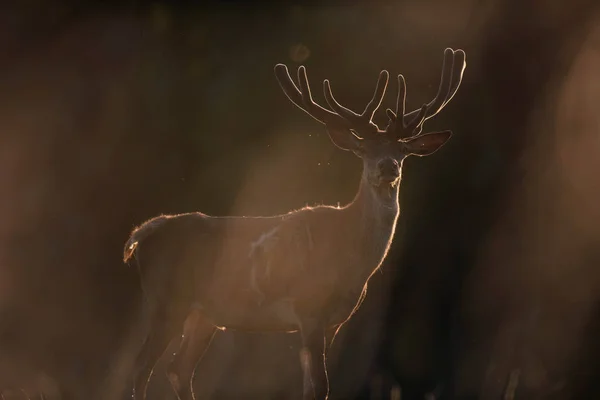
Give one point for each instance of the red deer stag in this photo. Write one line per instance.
(305, 271)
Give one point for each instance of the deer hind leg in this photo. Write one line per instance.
(197, 336)
(313, 362)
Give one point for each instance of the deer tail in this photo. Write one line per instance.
(139, 234)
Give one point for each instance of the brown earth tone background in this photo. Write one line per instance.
(113, 112)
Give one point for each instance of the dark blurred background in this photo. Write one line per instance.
(114, 112)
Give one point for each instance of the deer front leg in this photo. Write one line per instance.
(163, 328)
(313, 362)
(197, 335)
(149, 355)
(330, 335)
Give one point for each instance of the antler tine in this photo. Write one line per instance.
(380, 89)
(458, 69)
(362, 121)
(365, 118)
(399, 126)
(342, 111)
(437, 103)
(401, 100)
(303, 99)
(450, 81)
(417, 122)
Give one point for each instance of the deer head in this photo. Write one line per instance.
(382, 151)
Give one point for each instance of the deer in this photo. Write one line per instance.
(305, 271)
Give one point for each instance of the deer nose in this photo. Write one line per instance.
(388, 169)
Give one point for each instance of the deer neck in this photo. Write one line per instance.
(375, 209)
(377, 205)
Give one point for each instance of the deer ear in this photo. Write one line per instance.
(345, 139)
(427, 144)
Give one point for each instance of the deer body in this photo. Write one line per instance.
(305, 271)
(254, 273)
